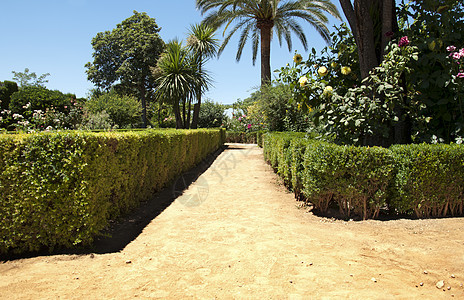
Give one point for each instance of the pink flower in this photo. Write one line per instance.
(65, 107)
(450, 48)
(456, 55)
(240, 118)
(249, 125)
(403, 41)
(460, 75)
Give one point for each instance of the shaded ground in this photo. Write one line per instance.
(237, 233)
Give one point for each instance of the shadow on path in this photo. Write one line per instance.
(123, 231)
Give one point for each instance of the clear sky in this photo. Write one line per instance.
(54, 36)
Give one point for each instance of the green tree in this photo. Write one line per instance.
(211, 115)
(203, 44)
(178, 79)
(7, 88)
(28, 78)
(260, 18)
(124, 57)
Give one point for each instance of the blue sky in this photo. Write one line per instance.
(53, 36)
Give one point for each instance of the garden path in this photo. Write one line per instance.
(236, 233)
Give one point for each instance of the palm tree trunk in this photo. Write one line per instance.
(265, 27)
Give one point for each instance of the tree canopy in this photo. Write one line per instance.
(123, 57)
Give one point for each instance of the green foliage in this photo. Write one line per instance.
(433, 26)
(254, 137)
(7, 88)
(429, 180)
(355, 178)
(96, 121)
(421, 180)
(61, 189)
(125, 56)
(179, 80)
(211, 115)
(124, 111)
(27, 78)
(39, 98)
(274, 108)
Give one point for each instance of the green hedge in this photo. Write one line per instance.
(429, 180)
(421, 180)
(254, 137)
(61, 189)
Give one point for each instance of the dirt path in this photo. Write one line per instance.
(237, 233)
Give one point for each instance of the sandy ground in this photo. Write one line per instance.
(237, 233)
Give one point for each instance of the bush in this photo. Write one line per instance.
(356, 178)
(421, 180)
(32, 98)
(7, 88)
(429, 180)
(244, 137)
(211, 115)
(61, 189)
(124, 111)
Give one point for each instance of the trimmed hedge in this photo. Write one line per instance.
(254, 137)
(421, 180)
(61, 189)
(429, 180)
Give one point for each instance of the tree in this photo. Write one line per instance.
(29, 79)
(373, 23)
(260, 18)
(203, 44)
(124, 57)
(211, 114)
(7, 88)
(179, 78)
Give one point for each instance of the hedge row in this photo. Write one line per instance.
(61, 189)
(254, 137)
(421, 180)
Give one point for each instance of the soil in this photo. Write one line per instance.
(236, 232)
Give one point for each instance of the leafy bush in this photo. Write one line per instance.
(356, 178)
(124, 111)
(60, 189)
(7, 88)
(244, 137)
(421, 180)
(211, 115)
(32, 98)
(429, 180)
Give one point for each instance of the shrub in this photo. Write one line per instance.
(356, 178)
(429, 180)
(7, 88)
(124, 111)
(61, 189)
(32, 98)
(211, 115)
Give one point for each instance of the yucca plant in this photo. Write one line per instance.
(179, 80)
(204, 45)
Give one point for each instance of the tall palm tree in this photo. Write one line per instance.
(258, 19)
(204, 45)
(178, 78)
